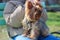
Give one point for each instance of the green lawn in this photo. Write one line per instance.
(53, 23)
(3, 33)
(53, 19)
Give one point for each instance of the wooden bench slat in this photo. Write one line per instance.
(2, 6)
(1, 13)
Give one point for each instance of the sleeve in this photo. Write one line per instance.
(9, 8)
(13, 15)
(17, 16)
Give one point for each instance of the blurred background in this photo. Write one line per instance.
(53, 22)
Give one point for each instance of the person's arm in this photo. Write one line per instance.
(13, 15)
(17, 16)
(9, 8)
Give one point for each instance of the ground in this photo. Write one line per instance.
(53, 23)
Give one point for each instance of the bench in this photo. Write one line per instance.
(55, 7)
(2, 21)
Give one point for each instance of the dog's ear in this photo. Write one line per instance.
(28, 4)
(39, 6)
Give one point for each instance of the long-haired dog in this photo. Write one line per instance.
(32, 12)
(32, 22)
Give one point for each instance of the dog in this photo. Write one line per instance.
(32, 13)
(32, 22)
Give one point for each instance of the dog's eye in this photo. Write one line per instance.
(39, 11)
(36, 9)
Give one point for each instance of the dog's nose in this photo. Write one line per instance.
(37, 16)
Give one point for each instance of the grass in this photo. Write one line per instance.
(53, 19)
(3, 33)
(53, 23)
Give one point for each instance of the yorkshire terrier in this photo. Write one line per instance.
(31, 20)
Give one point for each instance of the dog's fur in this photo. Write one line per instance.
(32, 16)
(32, 12)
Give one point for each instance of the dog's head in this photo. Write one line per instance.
(33, 11)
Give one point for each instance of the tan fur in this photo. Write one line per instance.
(33, 13)
(31, 10)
